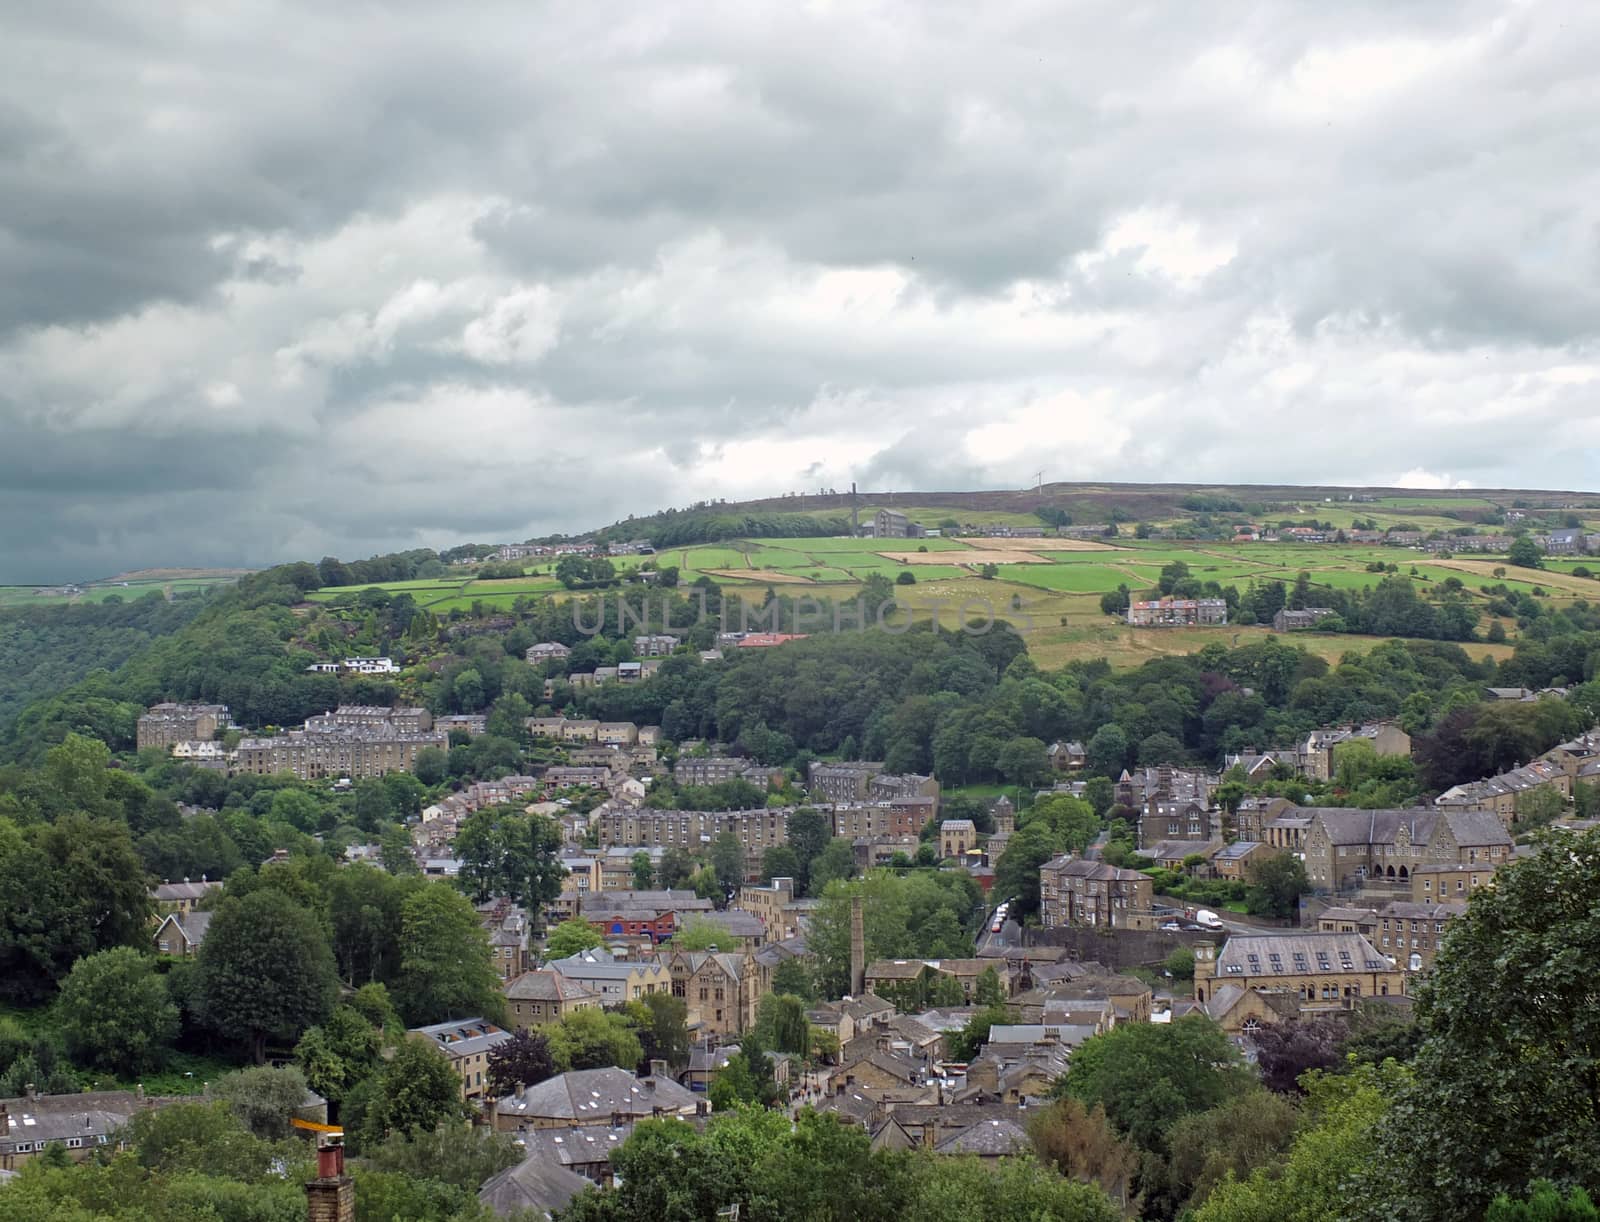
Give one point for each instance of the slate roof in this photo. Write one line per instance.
(464, 1037)
(575, 1147)
(1423, 912)
(1297, 954)
(1222, 1001)
(193, 925)
(736, 922)
(585, 1095)
(1359, 827)
(1094, 871)
(1238, 849)
(546, 985)
(87, 1116)
(537, 1184)
(988, 1137)
(172, 893)
(1039, 1033)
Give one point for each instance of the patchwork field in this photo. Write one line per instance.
(1050, 589)
(769, 575)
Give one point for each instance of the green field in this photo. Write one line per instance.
(1069, 578)
(28, 596)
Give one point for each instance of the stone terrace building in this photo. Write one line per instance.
(164, 725)
(841, 782)
(1412, 932)
(756, 830)
(404, 719)
(80, 1123)
(353, 753)
(708, 769)
(1449, 881)
(877, 820)
(1347, 848)
(1178, 613)
(1073, 891)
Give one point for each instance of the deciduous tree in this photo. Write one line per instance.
(115, 1012)
(568, 938)
(1513, 982)
(265, 970)
(446, 966)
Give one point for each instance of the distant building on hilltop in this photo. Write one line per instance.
(164, 725)
(1178, 613)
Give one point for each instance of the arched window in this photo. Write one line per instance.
(1251, 1025)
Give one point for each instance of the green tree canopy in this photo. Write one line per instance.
(593, 1039)
(446, 966)
(265, 970)
(115, 1013)
(1514, 983)
(416, 1092)
(568, 938)
(1148, 1076)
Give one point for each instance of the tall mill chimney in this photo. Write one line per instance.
(855, 513)
(858, 949)
(331, 1197)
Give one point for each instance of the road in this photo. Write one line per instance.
(1232, 922)
(1010, 932)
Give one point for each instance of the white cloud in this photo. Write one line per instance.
(1419, 478)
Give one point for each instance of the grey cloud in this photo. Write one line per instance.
(1383, 253)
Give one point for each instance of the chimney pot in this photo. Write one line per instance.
(330, 1160)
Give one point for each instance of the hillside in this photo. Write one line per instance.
(1083, 503)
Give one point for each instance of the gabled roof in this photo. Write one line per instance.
(192, 925)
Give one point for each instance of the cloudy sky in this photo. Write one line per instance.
(280, 280)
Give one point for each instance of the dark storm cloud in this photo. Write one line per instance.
(286, 280)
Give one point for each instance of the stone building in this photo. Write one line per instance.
(1321, 971)
(693, 830)
(721, 989)
(1346, 848)
(354, 753)
(1073, 891)
(535, 998)
(165, 725)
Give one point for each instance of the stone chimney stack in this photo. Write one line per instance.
(858, 949)
(331, 1197)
